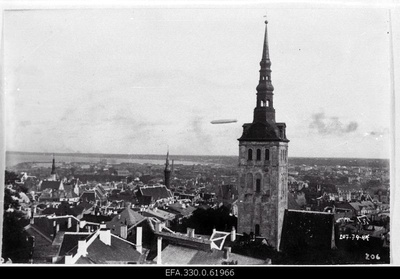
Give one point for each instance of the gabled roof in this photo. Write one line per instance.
(181, 209)
(100, 191)
(88, 196)
(307, 229)
(119, 251)
(157, 192)
(159, 214)
(144, 200)
(344, 205)
(96, 218)
(69, 242)
(127, 217)
(68, 192)
(45, 225)
(49, 184)
(179, 255)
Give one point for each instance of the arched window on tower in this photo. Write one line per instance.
(258, 185)
(267, 154)
(250, 154)
(258, 155)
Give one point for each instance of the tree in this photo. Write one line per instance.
(15, 245)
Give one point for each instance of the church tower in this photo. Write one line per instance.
(263, 164)
(167, 172)
(53, 175)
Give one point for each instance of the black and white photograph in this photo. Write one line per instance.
(198, 135)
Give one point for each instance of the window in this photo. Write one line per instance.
(262, 103)
(268, 102)
(267, 154)
(250, 154)
(258, 185)
(257, 229)
(258, 155)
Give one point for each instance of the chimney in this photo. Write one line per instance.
(124, 231)
(32, 220)
(159, 226)
(68, 259)
(57, 228)
(69, 222)
(227, 252)
(105, 234)
(139, 240)
(233, 234)
(190, 232)
(82, 247)
(159, 249)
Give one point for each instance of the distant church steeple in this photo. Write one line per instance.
(53, 167)
(53, 175)
(167, 171)
(263, 164)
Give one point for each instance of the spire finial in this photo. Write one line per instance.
(265, 55)
(167, 159)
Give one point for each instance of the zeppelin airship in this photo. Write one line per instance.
(223, 121)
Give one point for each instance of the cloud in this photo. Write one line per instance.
(196, 137)
(331, 125)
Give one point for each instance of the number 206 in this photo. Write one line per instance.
(372, 256)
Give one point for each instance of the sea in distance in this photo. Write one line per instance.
(13, 158)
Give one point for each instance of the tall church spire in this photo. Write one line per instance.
(264, 126)
(263, 164)
(167, 171)
(53, 166)
(264, 110)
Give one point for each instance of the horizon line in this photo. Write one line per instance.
(143, 154)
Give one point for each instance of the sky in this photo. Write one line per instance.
(144, 80)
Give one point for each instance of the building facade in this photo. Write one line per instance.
(263, 164)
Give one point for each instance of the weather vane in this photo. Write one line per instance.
(266, 21)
